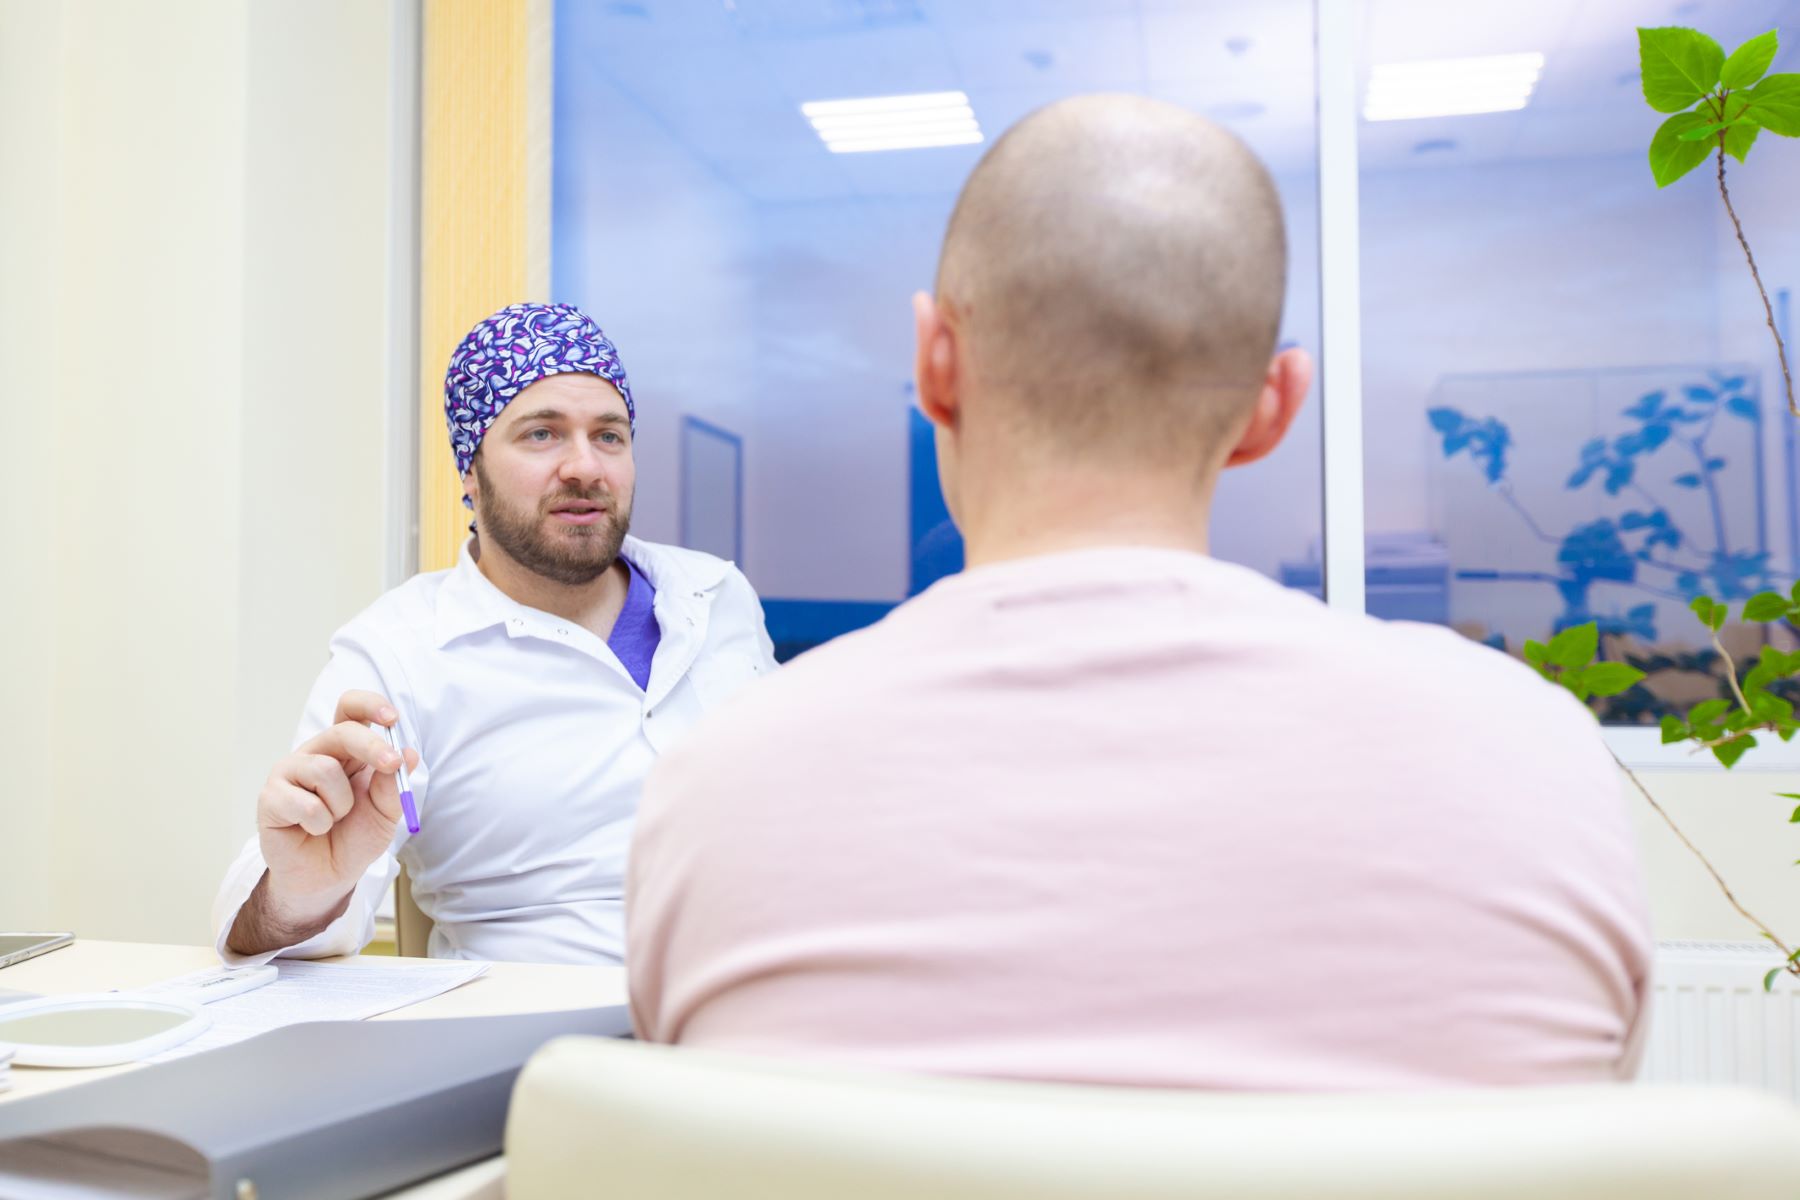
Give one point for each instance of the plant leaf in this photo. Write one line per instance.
(1712, 614)
(1610, 678)
(1729, 752)
(1575, 646)
(1748, 62)
(1766, 606)
(1673, 730)
(1775, 103)
(1670, 157)
(1678, 66)
(1708, 710)
(1771, 709)
(1740, 137)
(1741, 128)
(1702, 133)
(1769, 979)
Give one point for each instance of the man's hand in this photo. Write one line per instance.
(325, 813)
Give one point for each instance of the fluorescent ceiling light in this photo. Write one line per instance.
(894, 122)
(916, 142)
(1449, 87)
(876, 104)
(962, 114)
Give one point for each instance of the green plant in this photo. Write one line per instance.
(1720, 104)
(1726, 728)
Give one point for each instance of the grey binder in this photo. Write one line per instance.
(328, 1110)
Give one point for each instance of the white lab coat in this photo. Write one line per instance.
(534, 744)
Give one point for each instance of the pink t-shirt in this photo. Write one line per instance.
(1137, 816)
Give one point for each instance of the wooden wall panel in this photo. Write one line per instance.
(484, 209)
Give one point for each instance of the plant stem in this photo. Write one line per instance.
(1728, 738)
(1731, 672)
(1710, 869)
(1768, 310)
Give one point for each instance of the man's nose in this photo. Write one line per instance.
(583, 463)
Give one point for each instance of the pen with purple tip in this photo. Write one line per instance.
(407, 808)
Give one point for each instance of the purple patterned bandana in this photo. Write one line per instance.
(513, 349)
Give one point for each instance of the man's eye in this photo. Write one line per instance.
(610, 436)
(539, 435)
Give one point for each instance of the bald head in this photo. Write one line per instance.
(1115, 268)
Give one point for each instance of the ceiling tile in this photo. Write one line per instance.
(954, 14)
(1239, 45)
(937, 171)
(786, 178)
(841, 66)
(1073, 56)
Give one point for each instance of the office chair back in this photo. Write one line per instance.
(412, 928)
(592, 1116)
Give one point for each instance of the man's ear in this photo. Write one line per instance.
(935, 363)
(1283, 391)
(471, 478)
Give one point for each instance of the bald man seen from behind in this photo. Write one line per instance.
(1105, 809)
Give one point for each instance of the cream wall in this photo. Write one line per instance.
(194, 232)
(30, 228)
(1739, 823)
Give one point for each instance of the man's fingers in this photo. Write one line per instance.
(384, 794)
(287, 804)
(324, 776)
(355, 745)
(359, 705)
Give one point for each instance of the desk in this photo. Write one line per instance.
(93, 966)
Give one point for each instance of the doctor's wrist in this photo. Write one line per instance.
(301, 909)
(275, 917)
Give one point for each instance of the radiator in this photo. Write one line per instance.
(1711, 1022)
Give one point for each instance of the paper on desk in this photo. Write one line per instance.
(315, 991)
(102, 1164)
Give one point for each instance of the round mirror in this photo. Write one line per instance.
(96, 1030)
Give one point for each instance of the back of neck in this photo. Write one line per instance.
(1025, 522)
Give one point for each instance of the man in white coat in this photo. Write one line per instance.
(532, 686)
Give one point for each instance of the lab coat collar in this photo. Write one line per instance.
(468, 601)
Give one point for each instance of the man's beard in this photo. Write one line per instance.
(572, 555)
